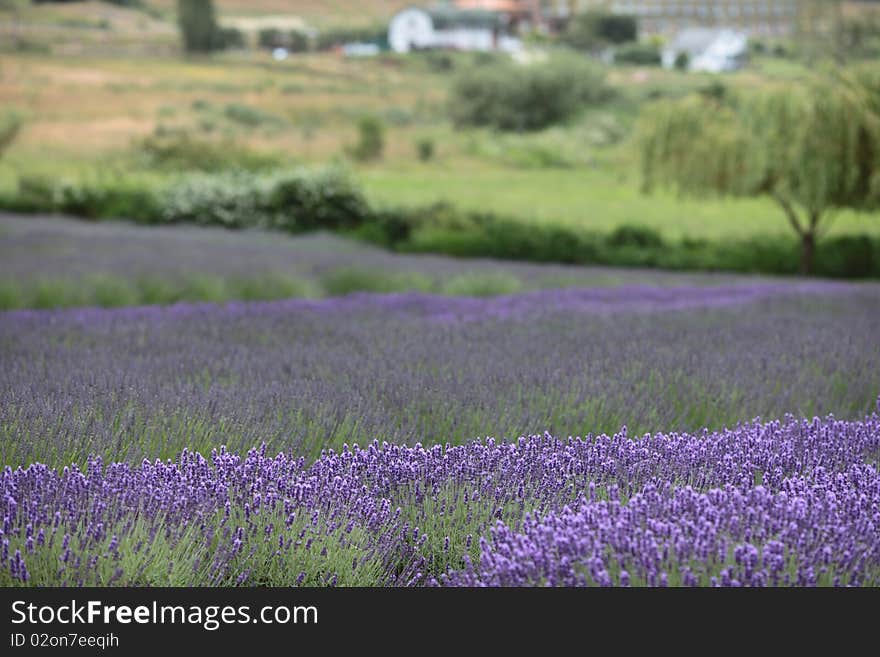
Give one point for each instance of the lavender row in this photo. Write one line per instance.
(33, 248)
(787, 502)
(822, 529)
(305, 375)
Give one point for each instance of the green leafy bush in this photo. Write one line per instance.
(848, 257)
(638, 54)
(293, 40)
(270, 37)
(333, 37)
(180, 150)
(295, 201)
(442, 228)
(593, 30)
(93, 199)
(425, 149)
(509, 96)
(637, 236)
(371, 139)
(305, 200)
(230, 38)
(249, 116)
(232, 200)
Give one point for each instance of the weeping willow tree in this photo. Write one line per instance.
(812, 148)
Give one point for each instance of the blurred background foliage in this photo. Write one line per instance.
(547, 159)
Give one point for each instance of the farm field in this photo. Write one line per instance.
(280, 307)
(50, 262)
(303, 112)
(406, 375)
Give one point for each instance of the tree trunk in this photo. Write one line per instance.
(808, 251)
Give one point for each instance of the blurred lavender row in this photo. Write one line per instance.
(305, 375)
(48, 262)
(792, 502)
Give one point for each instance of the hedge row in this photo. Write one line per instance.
(293, 201)
(327, 199)
(443, 229)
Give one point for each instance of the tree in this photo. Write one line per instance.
(813, 149)
(198, 26)
(593, 30)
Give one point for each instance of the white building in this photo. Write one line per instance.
(709, 50)
(427, 29)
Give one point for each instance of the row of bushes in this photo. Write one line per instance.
(293, 201)
(326, 199)
(443, 229)
(300, 41)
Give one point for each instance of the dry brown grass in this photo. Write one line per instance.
(94, 106)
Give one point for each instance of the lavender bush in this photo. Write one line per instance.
(791, 502)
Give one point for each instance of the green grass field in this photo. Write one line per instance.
(594, 199)
(86, 114)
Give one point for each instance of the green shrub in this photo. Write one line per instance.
(298, 41)
(179, 150)
(231, 200)
(295, 201)
(635, 236)
(437, 61)
(371, 139)
(294, 40)
(333, 37)
(230, 38)
(682, 61)
(593, 30)
(305, 200)
(425, 149)
(93, 199)
(508, 96)
(716, 90)
(270, 37)
(249, 116)
(848, 257)
(638, 54)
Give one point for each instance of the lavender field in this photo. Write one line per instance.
(55, 262)
(728, 428)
